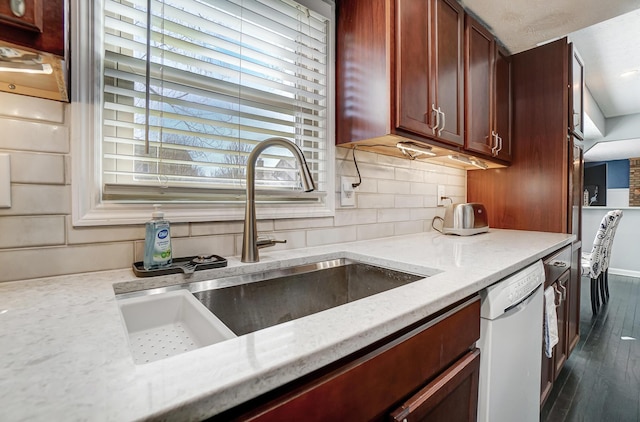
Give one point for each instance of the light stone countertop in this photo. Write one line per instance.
(64, 353)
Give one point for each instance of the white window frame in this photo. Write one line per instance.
(85, 122)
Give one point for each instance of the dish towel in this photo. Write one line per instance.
(550, 321)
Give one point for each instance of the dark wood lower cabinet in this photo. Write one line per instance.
(451, 397)
(432, 367)
(561, 275)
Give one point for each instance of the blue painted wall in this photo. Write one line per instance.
(617, 173)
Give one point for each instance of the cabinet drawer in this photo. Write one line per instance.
(556, 264)
(371, 385)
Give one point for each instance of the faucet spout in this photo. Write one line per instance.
(250, 235)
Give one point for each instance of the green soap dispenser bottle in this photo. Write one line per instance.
(157, 241)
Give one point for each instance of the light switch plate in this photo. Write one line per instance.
(5, 181)
(347, 192)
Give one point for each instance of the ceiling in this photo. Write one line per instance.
(606, 35)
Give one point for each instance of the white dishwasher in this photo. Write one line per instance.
(511, 347)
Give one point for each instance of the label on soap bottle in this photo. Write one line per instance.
(162, 246)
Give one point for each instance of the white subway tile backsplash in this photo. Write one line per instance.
(209, 229)
(410, 175)
(374, 231)
(31, 108)
(393, 214)
(37, 168)
(18, 264)
(376, 171)
(394, 186)
(22, 135)
(409, 201)
(331, 235)
(39, 200)
(307, 223)
(370, 200)
(408, 227)
(355, 216)
(27, 231)
(424, 188)
(426, 213)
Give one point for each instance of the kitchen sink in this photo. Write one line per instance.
(162, 322)
(261, 300)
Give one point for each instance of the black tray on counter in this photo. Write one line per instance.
(186, 265)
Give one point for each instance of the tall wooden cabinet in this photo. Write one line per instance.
(541, 189)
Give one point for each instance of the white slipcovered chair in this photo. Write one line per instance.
(592, 262)
(606, 255)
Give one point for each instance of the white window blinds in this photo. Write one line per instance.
(191, 86)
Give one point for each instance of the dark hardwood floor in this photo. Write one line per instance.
(601, 379)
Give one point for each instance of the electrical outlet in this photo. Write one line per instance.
(441, 195)
(347, 192)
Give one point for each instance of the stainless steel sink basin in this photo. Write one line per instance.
(256, 301)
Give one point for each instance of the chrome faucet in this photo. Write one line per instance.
(250, 241)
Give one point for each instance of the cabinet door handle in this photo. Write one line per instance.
(437, 111)
(443, 121)
(494, 142)
(18, 7)
(500, 143)
(564, 289)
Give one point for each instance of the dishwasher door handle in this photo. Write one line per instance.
(521, 304)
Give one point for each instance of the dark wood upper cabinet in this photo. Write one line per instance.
(399, 70)
(429, 63)
(576, 93)
(503, 104)
(488, 93)
(35, 24)
(479, 81)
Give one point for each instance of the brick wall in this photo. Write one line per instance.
(634, 182)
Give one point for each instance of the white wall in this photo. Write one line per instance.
(625, 256)
(37, 239)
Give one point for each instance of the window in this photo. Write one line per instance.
(182, 92)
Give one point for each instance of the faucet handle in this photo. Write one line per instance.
(265, 242)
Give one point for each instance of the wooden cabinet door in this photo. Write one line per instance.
(479, 53)
(429, 59)
(447, 57)
(576, 93)
(366, 387)
(413, 74)
(502, 104)
(561, 349)
(452, 397)
(25, 14)
(41, 27)
(573, 302)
